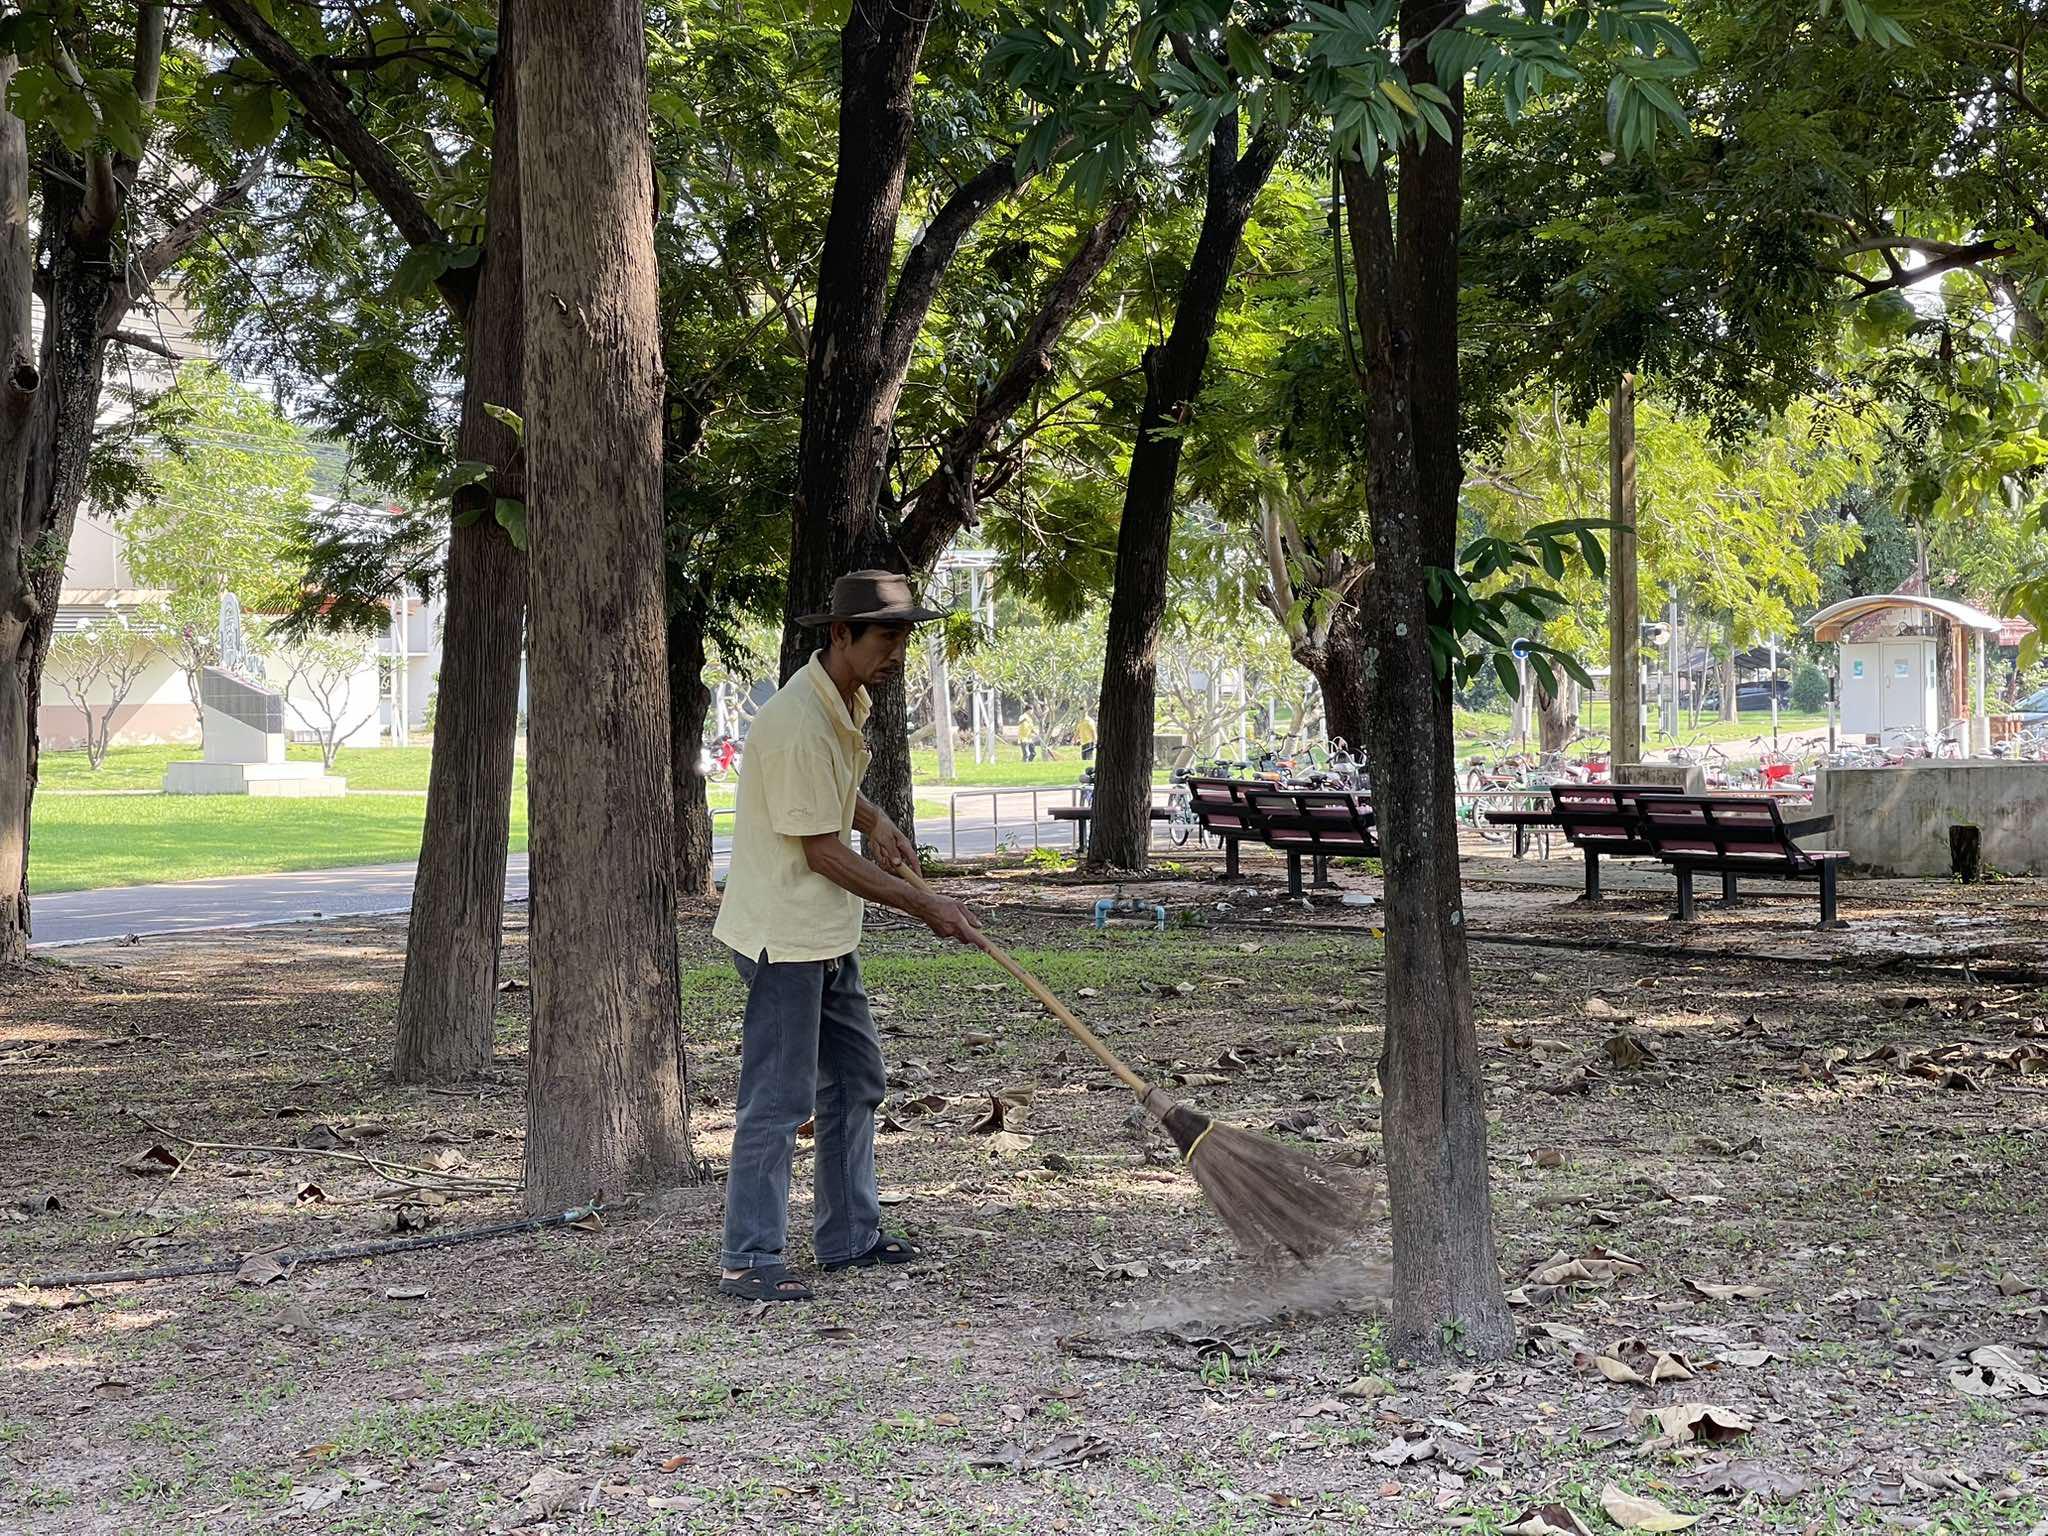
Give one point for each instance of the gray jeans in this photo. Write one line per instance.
(808, 1051)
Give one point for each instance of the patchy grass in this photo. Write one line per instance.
(1891, 1221)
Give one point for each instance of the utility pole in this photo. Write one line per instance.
(1624, 659)
(942, 696)
(1673, 659)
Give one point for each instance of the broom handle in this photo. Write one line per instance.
(1039, 990)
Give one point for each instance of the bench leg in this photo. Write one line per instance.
(1294, 874)
(1827, 895)
(1592, 875)
(1230, 858)
(1729, 897)
(1686, 912)
(1322, 869)
(1521, 842)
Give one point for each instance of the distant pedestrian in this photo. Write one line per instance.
(1027, 736)
(1084, 737)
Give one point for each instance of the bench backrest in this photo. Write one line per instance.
(1603, 814)
(1707, 826)
(1319, 820)
(1219, 805)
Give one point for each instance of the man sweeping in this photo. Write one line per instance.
(792, 917)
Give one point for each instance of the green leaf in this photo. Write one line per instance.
(1510, 678)
(259, 117)
(71, 116)
(511, 516)
(509, 417)
(421, 268)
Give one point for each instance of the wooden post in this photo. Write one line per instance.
(1624, 669)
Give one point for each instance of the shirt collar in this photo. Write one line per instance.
(835, 702)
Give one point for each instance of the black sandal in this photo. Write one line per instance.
(766, 1282)
(887, 1250)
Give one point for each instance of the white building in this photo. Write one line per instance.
(391, 694)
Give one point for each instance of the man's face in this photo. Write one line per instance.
(876, 654)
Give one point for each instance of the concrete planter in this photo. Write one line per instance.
(1895, 821)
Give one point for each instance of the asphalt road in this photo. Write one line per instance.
(249, 901)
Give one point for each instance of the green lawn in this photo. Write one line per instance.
(143, 767)
(83, 842)
(1481, 733)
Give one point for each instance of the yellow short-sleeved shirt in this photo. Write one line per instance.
(800, 776)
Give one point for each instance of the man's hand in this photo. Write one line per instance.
(888, 847)
(950, 919)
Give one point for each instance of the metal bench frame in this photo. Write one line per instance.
(1323, 823)
(1744, 835)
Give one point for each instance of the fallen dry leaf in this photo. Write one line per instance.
(1627, 1051)
(260, 1269)
(1401, 1450)
(1714, 1292)
(1683, 1422)
(1634, 1513)
(547, 1491)
(1752, 1477)
(1546, 1520)
(154, 1159)
(1995, 1371)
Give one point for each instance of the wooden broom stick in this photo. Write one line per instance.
(1039, 990)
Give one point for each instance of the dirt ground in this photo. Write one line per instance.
(1797, 1179)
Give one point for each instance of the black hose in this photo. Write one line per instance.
(320, 1255)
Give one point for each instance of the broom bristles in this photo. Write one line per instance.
(1274, 1198)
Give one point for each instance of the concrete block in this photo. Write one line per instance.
(1895, 821)
(271, 780)
(1687, 778)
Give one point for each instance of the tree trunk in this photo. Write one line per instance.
(77, 257)
(888, 780)
(688, 698)
(1730, 704)
(1342, 667)
(448, 1001)
(1173, 377)
(1557, 718)
(1447, 1285)
(841, 447)
(607, 1106)
(18, 408)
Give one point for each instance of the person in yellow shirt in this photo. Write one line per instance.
(1084, 737)
(791, 915)
(1027, 735)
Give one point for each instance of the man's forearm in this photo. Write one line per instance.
(850, 872)
(865, 813)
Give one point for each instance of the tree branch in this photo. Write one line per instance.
(173, 246)
(327, 110)
(144, 343)
(944, 503)
(918, 283)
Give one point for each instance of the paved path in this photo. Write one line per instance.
(247, 901)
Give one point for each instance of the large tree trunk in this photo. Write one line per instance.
(689, 696)
(77, 249)
(606, 1100)
(1342, 666)
(1447, 1285)
(1173, 377)
(842, 445)
(18, 402)
(1557, 716)
(448, 1001)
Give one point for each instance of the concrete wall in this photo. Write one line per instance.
(158, 709)
(1895, 821)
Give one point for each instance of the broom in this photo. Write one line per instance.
(1273, 1198)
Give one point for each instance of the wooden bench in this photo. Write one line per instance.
(1604, 818)
(1082, 815)
(1595, 819)
(1737, 836)
(1323, 823)
(1219, 806)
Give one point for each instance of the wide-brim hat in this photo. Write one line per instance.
(873, 597)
